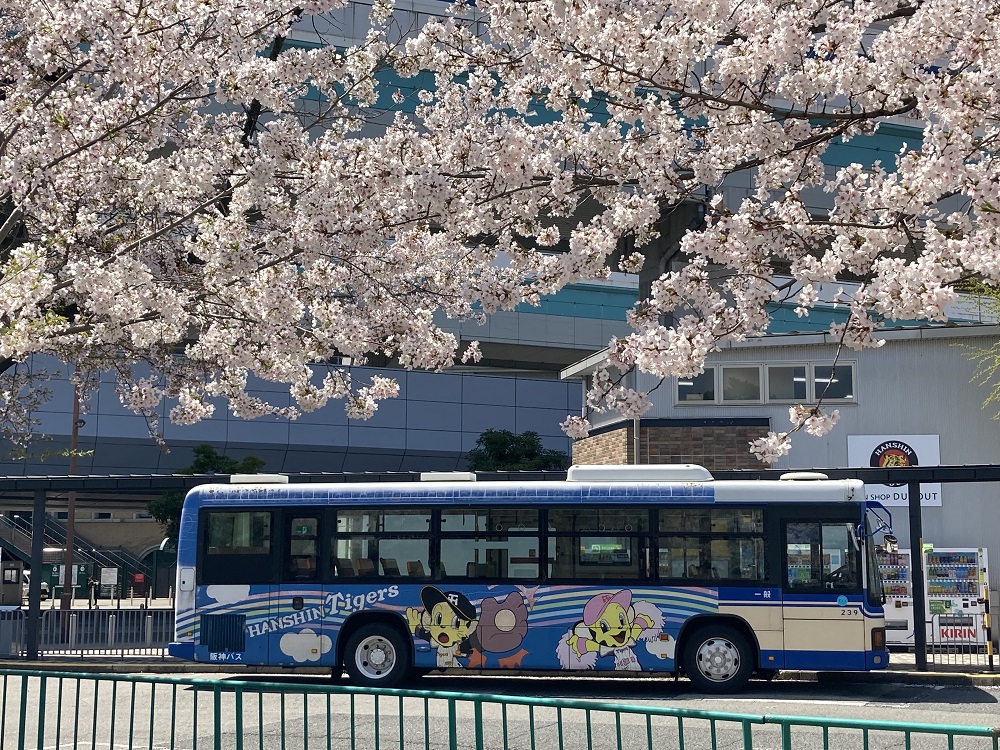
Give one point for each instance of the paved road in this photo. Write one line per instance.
(107, 715)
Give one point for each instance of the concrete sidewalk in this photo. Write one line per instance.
(899, 674)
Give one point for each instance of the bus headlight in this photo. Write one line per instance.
(878, 639)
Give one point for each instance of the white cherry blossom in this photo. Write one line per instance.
(189, 198)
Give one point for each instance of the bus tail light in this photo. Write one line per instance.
(878, 639)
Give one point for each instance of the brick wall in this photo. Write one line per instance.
(612, 447)
(716, 447)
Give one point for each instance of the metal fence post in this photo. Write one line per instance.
(72, 630)
(987, 622)
(36, 695)
(111, 630)
(149, 630)
(478, 709)
(21, 727)
(217, 718)
(452, 725)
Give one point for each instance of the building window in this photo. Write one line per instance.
(833, 383)
(61, 515)
(786, 383)
(102, 515)
(741, 383)
(801, 383)
(699, 388)
(142, 516)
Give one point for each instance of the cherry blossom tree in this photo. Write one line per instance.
(184, 209)
(640, 106)
(185, 198)
(987, 357)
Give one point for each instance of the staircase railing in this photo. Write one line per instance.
(17, 531)
(108, 557)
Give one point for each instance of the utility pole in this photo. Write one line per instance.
(69, 579)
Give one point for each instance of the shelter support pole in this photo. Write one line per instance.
(33, 627)
(917, 568)
(636, 426)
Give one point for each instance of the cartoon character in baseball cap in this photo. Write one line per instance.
(611, 626)
(447, 621)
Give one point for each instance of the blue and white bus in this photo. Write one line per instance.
(634, 568)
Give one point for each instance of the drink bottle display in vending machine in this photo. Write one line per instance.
(897, 582)
(956, 588)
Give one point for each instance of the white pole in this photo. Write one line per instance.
(111, 630)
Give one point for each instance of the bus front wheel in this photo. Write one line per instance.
(377, 656)
(718, 659)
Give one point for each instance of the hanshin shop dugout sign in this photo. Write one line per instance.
(891, 451)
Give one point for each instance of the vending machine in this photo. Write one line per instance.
(895, 571)
(955, 581)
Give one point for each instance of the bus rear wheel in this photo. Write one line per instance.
(718, 659)
(377, 656)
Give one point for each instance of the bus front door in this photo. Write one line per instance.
(822, 600)
(298, 602)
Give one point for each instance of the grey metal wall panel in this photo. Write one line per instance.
(441, 419)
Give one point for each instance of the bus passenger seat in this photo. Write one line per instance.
(344, 568)
(303, 567)
(389, 566)
(415, 569)
(366, 568)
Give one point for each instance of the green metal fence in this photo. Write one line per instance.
(52, 711)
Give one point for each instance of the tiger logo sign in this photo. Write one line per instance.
(893, 454)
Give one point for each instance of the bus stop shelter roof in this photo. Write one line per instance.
(156, 484)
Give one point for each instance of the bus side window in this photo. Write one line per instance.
(236, 547)
(385, 542)
(302, 550)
